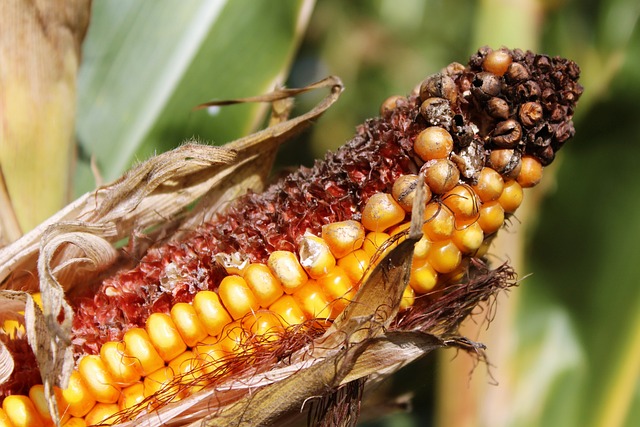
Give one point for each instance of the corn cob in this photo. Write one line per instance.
(288, 261)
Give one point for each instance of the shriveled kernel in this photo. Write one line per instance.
(138, 345)
(121, 366)
(491, 217)
(40, 402)
(404, 191)
(489, 185)
(530, 172)
(439, 222)
(338, 287)
(462, 202)
(375, 241)
(441, 175)
(434, 142)
(285, 267)
(497, 62)
(313, 301)
(131, 396)
(315, 256)
(423, 277)
(211, 312)
(511, 196)
(381, 212)
(264, 285)
(408, 298)
(188, 323)
(21, 411)
(98, 380)
(343, 237)
(101, 414)
(469, 238)
(355, 264)
(236, 296)
(444, 256)
(165, 336)
(77, 396)
(288, 310)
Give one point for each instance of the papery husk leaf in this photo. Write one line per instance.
(11, 303)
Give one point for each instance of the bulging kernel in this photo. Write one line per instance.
(338, 287)
(390, 104)
(288, 311)
(433, 143)
(404, 191)
(439, 222)
(511, 196)
(469, 238)
(423, 277)
(491, 217)
(489, 185)
(408, 298)
(236, 296)
(264, 285)
(355, 264)
(441, 175)
(211, 312)
(313, 301)
(462, 202)
(285, 267)
(530, 172)
(421, 248)
(444, 256)
(315, 255)
(98, 380)
(381, 212)
(497, 62)
(343, 237)
(506, 162)
(374, 241)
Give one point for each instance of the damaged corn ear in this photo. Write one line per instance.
(284, 262)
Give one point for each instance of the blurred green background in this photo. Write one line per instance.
(565, 345)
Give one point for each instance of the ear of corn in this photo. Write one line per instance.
(170, 326)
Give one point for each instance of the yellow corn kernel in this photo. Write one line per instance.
(423, 277)
(462, 202)
(77, 396)
(434, 142)
(12, 328)
(101, 414)
(99, 381)
(511, 196)
(233, 338)
(355, 264)
(469, 238)
(264, 324)
(315, 256)
(165, 336)
(36, 394)
(236, 296)
(4, 419)
(313, 301)
(338, 288)
(439, 222)
(408, 298)
(444, 256)
(288, 310)
(381, 212)
(21, 411)
(121, 366)
(287, 269)
(159, 382)
(37, 298)
(489, 186)
(343, 237)
(491, 217)
(530, 172)
(264, 285)
(138, 346)
(188, 323)
(131, 396)
(421, 248)
(374, 241)
(74, 422)
(211, 312)
(210, 354)
(186, 368)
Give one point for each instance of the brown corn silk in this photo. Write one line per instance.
(525, 110)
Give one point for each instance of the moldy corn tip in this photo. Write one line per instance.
(274, 269)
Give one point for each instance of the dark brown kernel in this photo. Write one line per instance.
(530, 113)
(390, 104)
(516, 73)
(506, 162)
(498, 108)
(485, 85)
(507, 134)
(441, 86)
(528, 91)
(437, 112)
